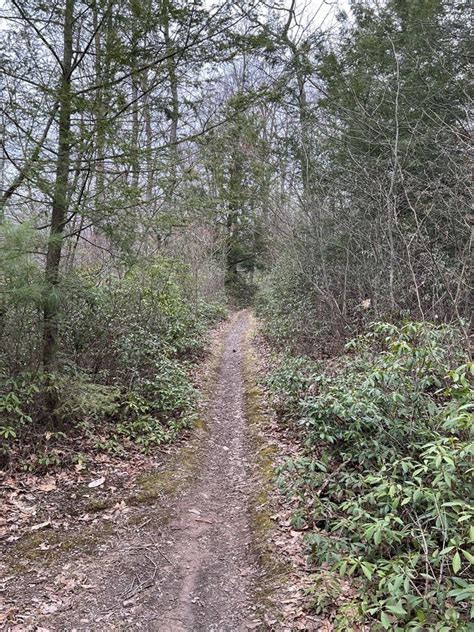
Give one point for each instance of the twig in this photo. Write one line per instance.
(162, 554)
(329, 478)
(130, 588)
(204, 520)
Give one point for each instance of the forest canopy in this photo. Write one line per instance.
(336, 159)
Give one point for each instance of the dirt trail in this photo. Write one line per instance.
(195, 571)
(206, 585)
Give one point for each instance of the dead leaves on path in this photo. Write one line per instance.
(288, 545)
(53, 596)
(30, 502)
(39, 518)
(97, 483)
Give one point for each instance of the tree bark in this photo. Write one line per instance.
(60, 199)
(174, 109)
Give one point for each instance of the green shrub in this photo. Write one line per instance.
(170, 390)
(125, 349)
(290, 382)
(16, 397)
(157, 409)
(81, 399)
(385, 481)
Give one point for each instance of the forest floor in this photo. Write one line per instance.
(198, 542)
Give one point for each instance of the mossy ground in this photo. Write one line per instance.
(171, 479)
(273, 571)
(49, 547)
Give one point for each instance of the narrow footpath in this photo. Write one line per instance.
(183, 562)
(206, 583)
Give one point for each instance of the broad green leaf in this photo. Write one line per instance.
(367, 570)
(397, 609)
(457, 562)
(385, 620)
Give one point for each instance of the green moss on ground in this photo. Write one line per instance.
(273, 571)
(48, 546)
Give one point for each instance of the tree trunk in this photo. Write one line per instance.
(99, 165)
(174, 109)
(60, 200)
(135, 137)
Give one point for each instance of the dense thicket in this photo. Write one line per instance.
(241, 137)
(377, 224)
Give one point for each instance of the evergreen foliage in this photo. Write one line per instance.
(383, 483)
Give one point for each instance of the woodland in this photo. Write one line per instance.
(167, 163)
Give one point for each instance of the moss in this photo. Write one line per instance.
(199, 424)
(28, 547)
(99, 504)
(272, 570)
(172, 478)
(58, 544)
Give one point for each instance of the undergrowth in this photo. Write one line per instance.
(124, 377)
(383, 483)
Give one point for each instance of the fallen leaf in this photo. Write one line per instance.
(11, 483)
(49, 608)
(129, 602)
(68, 583)
(85, 518)
(97, 483)
(47, 485)
(25, 509)
(44, 546)
(41, 525)
(8, 614)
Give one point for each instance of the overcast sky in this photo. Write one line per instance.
(315, 14)
(324, 11)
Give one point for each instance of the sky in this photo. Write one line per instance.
(321, 13)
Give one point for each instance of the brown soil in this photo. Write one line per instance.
(183, 561)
